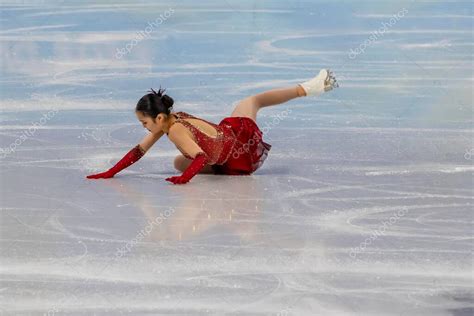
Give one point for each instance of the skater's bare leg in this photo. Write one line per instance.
(249, 106)
(181, 163)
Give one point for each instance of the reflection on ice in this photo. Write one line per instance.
(363, 207)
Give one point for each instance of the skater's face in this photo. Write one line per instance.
(153, 125)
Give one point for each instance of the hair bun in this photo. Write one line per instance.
(160, 92)
(165, 99)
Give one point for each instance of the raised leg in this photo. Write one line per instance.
(249, 106)
(181, 163)
(323, 82)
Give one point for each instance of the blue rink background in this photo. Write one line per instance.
(363, 206)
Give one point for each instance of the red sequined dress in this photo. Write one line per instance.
(237, 149)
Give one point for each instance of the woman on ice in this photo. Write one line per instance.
(234, 146)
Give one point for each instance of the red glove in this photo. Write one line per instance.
(130, 158)
(199, 161)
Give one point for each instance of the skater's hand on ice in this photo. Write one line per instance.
(177, 180)
(102, 175)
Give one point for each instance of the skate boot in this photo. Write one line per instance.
(323, 82)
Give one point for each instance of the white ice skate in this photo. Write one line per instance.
(323, 82)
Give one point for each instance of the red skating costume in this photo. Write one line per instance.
(238, 148)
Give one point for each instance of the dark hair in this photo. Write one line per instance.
(155, 103)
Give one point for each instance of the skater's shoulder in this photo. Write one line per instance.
(179, 125)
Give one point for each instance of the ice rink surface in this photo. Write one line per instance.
(363, 207)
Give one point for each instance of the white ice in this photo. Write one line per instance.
(363, 207)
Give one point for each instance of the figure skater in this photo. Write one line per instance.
(233, 147)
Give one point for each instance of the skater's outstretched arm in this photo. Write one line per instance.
(180, 137)
(130, 158)
(150, 139)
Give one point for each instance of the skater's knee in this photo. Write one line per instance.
(255, 101)
(247, 107)
(249, 102)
